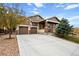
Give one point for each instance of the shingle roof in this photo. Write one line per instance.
(53, 19)
(36, 18)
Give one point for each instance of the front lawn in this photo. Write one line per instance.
(72, 38)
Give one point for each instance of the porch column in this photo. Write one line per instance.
(54, 27)
(37, 27)
(29, 27)
(46, 27)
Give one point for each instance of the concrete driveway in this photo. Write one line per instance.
(45, 45)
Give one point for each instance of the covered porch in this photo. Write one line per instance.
(50, 27)
(41, 27)
(47, 27)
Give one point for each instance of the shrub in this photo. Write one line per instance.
(63, 28)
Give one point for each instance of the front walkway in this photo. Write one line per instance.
(45, 45)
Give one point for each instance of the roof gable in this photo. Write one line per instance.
(53, 19)
(36, 18)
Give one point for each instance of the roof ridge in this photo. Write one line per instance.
(35, 16)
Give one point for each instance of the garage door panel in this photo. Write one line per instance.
(23, 30)
(33, 30)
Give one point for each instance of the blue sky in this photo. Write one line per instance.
(47, 10)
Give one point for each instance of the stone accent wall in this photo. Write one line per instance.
(47, 30)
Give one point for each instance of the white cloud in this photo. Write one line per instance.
(74, 18)
(35, 12)
(67, 6)
(38, 5)
(46, 17)
(60, 5)
(29, 4)
(35, 9)
(72, 6)
(74, 21)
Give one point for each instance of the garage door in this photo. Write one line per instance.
(33, 30)
(23, 30)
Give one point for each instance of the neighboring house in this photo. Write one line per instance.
(42, 25)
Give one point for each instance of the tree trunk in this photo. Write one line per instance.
(9, 35)
(10, 32)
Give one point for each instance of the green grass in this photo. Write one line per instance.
(72, 38)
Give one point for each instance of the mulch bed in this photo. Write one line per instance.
(8, 47)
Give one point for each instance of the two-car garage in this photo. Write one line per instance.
(24, 29)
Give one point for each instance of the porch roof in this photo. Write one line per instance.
(53, 20)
